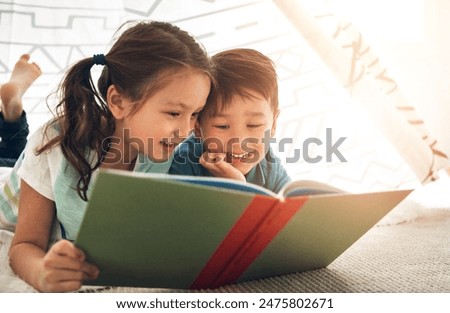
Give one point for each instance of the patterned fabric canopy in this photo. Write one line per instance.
(333, 86)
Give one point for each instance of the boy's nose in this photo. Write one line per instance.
(237, 133)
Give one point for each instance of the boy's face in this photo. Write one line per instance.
(239, 130)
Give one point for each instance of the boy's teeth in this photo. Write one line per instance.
(243, 155)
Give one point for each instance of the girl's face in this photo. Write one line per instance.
(239, 131)
(164, 120)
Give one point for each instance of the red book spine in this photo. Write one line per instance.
(261, 221)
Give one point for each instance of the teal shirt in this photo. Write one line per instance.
(269, 173)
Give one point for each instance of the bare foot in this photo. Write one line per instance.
(22, 76)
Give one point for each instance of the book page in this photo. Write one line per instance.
(226, 183)
(214, 182)
(308, 187)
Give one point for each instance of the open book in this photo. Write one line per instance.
(167, 231)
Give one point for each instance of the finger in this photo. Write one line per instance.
(68, 257)
(58, 262)
(55, 276)
(67, 286)
(54, 261)
(208, 160)
(90, 270)
(208, 157)
(214, 157)
(66, 248)
(61, 285)
(220, 157)
(217, 167)
(64, 279)
(222, 165)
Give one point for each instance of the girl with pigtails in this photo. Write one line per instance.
(156, 79)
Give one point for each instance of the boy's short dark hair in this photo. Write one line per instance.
(238, 71)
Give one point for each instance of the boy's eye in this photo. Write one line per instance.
(173, 114)
(222, 126)
(254, 125)
(195, 115)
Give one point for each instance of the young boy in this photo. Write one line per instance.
(232, 133)
(13, 121)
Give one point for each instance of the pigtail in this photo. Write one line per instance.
(84, 122)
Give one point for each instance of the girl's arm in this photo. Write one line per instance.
(63, 267)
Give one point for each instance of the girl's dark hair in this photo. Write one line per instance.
(134, 63)
(239, 72)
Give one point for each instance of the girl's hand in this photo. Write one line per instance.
(64, 268)
(216, 163)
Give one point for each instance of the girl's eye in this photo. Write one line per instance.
(173, 114)
(222, 126)
(254, 125)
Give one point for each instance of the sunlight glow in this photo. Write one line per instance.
(393, 20)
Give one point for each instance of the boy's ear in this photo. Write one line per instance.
(197, 129)
(274, 123)
(115, 102)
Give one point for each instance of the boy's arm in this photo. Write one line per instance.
(276, 174)
(282, 178)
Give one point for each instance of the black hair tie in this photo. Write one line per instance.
(99, 59)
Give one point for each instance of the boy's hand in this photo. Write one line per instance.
(64, 268)
(216, 163)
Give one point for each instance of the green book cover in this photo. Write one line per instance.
(165, 231)
(321, 231)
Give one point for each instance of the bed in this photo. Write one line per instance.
(407, 251)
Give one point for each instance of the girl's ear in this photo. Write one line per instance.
(115, 102)
(197, 129)
(274, 124)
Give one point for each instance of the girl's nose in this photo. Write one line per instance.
(185, 129)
